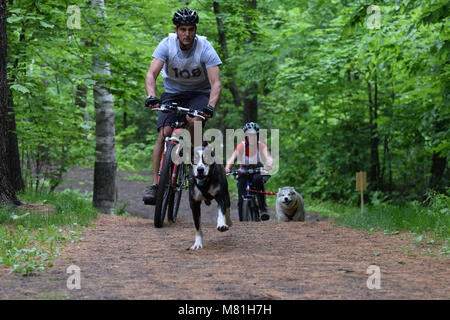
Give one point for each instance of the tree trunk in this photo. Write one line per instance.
(80, 100)
(251, 92)
(231, 84)
(251, 104)
(7, 192)
(105, 163)
(438, 166)
(374, 170)
(438, 163)
(125, 120)
(13, 156)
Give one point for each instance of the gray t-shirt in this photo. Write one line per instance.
(186, 70)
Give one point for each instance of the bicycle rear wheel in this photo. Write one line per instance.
(164, 194)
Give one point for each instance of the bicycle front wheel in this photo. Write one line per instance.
(254, 211)
(177, 191)
(246, 209)
(164, 194)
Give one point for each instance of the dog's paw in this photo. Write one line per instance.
(196, 246)
(223, 228)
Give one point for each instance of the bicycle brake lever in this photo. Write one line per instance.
(195, 113)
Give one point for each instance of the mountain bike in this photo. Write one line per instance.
(250, 209)
(172, 176)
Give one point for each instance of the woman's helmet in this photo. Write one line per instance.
(251, 127)
(185, 16)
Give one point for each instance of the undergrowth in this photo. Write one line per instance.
(429, 221)
(30, 240)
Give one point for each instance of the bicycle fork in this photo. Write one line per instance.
(177, 142)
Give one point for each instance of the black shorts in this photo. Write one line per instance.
(194, 100)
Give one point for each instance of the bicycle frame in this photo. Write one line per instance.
(175, 139)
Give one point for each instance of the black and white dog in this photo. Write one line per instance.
(208, 181)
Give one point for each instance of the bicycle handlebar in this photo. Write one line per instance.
(240, 172)
(174, 107)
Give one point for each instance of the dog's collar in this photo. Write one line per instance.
(203, 186)
(294, 209)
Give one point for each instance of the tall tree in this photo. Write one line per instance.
(438, 161)
(14, 169)
(7, 192)
(13, 157)
(374, 171)
(105, 163)
(251, 92)
(230, 84)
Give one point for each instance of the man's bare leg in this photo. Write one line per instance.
(158, 149)
(150, 192)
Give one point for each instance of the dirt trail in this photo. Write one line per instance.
(132, 191)
(127, 258)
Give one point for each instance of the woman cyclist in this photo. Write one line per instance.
(251, 153)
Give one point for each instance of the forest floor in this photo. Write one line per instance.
(127, 258)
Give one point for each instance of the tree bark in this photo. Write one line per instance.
(13, 156)
(251, 104)
(105, 163)
(374, 170)
(80, 100)
(7, 192)
(251, 92)
(231, 84)
(438, 163)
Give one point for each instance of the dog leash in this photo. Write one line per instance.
(264, 192)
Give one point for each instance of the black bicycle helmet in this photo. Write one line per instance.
(185, 16)
(251, 125)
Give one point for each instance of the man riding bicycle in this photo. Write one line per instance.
(191, 77)
(251, 154)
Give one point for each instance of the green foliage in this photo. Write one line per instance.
(433, 219)
(429, 221)
(315, 65)
(29, 240)
(135, 156)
